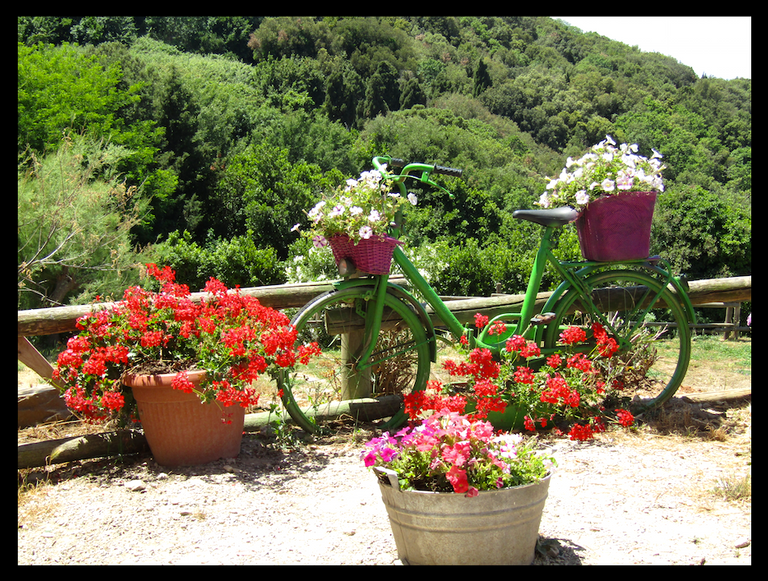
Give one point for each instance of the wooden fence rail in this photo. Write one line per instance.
(62, 319)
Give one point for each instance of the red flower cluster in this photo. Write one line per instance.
(624, 417)
(525, 349)
(583, 432)
(573, 335)
(231, 336)
(431, 399)
(558, 392)
(570, 387)
(565, 386)
(480, 366)
(606, 345)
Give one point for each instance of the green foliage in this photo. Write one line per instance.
(480, 268)
(226, 35)
(231, 124)
(466, 272)
(74, 220)
(236, 261)
(706, 234)
(61, 88)
(262, 192)
(342, 91)
(382, 93)
(306, 263)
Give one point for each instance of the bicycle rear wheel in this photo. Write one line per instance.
(648, 322)
(400, 361)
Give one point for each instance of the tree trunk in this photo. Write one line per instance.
(725, 395)
(81, 447)
(65, 283)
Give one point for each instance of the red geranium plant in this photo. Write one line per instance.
(230, 336)
(569, 389)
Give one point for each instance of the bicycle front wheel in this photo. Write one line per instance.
(648, 322)
(332, 385)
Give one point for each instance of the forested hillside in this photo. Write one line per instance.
(200, 141)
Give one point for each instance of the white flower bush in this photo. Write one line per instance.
(603, 171)
(362, 208)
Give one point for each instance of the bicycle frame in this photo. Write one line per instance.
(573, 275)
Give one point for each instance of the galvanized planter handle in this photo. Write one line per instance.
(391, 475)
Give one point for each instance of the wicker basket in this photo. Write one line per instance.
(372, 255)
(616, 228)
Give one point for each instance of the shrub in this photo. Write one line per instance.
(234, 262)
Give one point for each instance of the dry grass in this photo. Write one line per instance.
(734, 487)
(33, 501)
(26, 376)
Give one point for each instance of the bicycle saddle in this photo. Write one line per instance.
(553, 217)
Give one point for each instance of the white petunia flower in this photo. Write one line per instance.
(337, 210)
(365, 232)
(582, 197)
(319, 241)
(608, 185)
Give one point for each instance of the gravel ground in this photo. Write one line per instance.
(624, 498)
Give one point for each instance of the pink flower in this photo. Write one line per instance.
(458, 454)
(388, 454)
(458, 479)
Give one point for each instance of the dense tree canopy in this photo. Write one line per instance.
(226, 129)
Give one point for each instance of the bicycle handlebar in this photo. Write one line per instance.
(425, 169)
(449, 171)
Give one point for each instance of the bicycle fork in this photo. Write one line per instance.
(359, 350)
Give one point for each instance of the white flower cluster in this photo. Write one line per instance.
(361, 209)
(605, 170)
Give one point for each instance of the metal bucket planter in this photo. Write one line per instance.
(499, 527)
(617, 227)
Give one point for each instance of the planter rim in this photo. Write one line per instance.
(391, 473)
(158, 379)
(620, 195)
(381, 238)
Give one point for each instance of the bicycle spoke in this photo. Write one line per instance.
(399, 361)
(647, 322)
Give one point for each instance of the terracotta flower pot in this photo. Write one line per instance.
(615, 228)
(180, 430)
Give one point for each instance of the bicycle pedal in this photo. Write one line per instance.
(543, 319)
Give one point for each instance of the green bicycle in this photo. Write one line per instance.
(378, 338)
